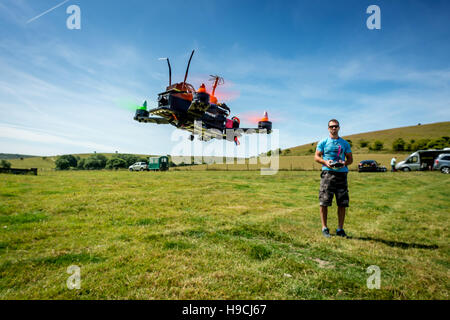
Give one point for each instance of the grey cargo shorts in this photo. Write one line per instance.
(333, 183)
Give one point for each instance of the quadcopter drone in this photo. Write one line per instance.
(197, 111)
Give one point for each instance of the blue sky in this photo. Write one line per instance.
(305, 62)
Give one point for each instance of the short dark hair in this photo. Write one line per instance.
(333, 120)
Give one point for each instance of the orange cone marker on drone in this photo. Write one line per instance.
(265, 117)
(202, 88)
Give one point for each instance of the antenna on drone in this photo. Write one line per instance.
(170, 70)
(187, 69)
(217, 82)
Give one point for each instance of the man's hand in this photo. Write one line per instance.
(328, 163)
(318, 158)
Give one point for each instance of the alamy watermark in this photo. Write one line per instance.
(73, 22)
(224, 151)
(374, 280)
(374, 20)
(74, 281)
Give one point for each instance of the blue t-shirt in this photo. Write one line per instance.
(334, 149)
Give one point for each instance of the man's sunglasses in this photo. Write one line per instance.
(333, 127)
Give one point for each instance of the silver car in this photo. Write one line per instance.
(442, 163)
(138, 166)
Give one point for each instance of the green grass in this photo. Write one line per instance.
(220, 235)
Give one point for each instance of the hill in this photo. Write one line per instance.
(8, 156)
(415, 133)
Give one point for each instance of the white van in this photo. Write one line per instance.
(419, 160)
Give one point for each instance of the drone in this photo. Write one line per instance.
(197, 111)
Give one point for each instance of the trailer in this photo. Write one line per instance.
(158, 163)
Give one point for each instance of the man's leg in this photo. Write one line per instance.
(323, 216)
(341, 217)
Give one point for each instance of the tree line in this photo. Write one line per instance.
(421, 144)
(97, 162)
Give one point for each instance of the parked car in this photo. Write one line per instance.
(370, 166)
(138, 166)
(419, 160)
(442, 163)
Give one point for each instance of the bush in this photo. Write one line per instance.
(116, 163)
(377, 145)
(70, 159)
(420, 144)
(363, 143)
(399, 145)
(62, 164)
(92, 163)
(80, 164)
(5, 164)
(350, 143)
(440, 143)
(129, 158)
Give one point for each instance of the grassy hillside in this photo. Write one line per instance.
(424, 131)
(8, 156)
(220, 235)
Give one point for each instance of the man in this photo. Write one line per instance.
(393, 162)
(334, 153)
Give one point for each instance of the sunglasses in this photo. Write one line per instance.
(333, 127)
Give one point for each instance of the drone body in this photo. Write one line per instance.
(197, 112)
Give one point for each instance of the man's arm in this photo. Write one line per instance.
(318, 158)
(349, 159)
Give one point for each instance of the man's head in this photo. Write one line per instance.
(333, 127)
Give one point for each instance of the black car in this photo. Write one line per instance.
(370, 166)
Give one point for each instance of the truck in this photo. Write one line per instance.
(420, 160)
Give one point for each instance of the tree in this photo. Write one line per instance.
(116, 163)
(92, 163)
(129, 158)
(5, 164)
(363, 143)
(440, 143)
(70, 158)
(142, 159)
(80, 164)
(350, 143)
(399, 145)
(102, 159)
(420, 144)
(62, 164)
(377, 145)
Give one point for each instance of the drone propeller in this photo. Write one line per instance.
(131, 105)
(251, 116)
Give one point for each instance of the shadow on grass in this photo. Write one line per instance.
(398, 244)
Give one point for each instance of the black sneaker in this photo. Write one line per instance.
(341, 233)
(326, 232)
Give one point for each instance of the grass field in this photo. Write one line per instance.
(288, 163)
(220, 235)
